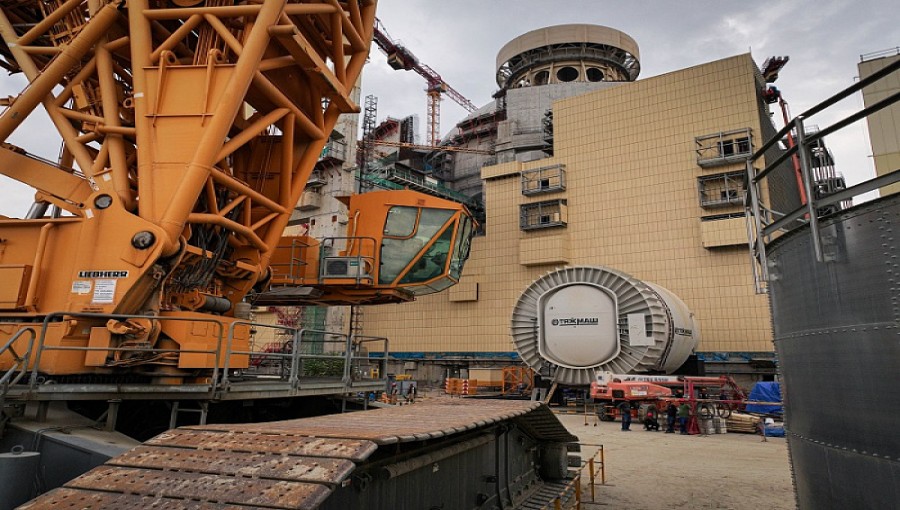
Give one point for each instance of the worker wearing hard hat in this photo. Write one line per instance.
(684, 414)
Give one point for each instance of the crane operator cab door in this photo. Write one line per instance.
(422, 241)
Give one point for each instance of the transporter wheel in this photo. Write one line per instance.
(705, 411)
(603, 415)
(723, 410)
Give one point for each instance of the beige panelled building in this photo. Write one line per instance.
(884, 125)
(646, 177)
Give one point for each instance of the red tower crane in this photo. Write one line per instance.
(399, 57)
(770, 69)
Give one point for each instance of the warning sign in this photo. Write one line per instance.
(81, 287)
(104, 292)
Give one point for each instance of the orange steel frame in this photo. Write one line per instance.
(181, 121)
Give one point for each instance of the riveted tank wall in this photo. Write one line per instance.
(837, 337)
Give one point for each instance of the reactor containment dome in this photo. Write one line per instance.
(568, 53)
(581, 320)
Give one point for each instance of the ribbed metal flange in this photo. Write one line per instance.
(632, 296)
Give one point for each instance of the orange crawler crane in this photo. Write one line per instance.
(189, 131)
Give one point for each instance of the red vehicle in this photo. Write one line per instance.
(707, 396)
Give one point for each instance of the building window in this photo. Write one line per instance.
(594, 74)
(544, 180)
(567, 74)
(721, 190)
(734, 146)
(553, 213)
(724, 148)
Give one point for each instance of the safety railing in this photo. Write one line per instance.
(596, 466)
(381, 360)
(289, 262)
(425, 184)
(358, 265)
(289, 363)
(41, 346)
(570, 496)
(17, 370)
(781, 199)
(19, 367)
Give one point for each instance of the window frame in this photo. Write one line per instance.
(557, 207)
(545, 177)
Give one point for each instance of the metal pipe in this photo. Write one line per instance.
(301, 9)
(293, 377)
(337, 45)
(7, 378)
(865, 112)
(118, 130)
(806, 171)
(247, 134)
(287, 160)
(37, 210)
(753, 187)
(258, 198)
(876, 76)
(36, 264)
(233, 11)
(42, 50)
(350, 32)
(141, 46)
(214, 219)
(47, 23)
(175, 38)
(117, 158)
(499, 491)
(264, 220)
(348, 359)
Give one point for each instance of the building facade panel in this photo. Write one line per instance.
(632, 204)
(884, 125)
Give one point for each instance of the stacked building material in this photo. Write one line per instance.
(740, 422)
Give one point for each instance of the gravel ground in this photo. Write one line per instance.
(654, 470)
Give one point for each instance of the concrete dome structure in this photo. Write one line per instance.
(568, 53)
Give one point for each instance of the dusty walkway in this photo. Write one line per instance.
(654, 470)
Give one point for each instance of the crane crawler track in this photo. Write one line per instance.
(300, 463)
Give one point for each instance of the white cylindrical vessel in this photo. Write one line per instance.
(582, 320)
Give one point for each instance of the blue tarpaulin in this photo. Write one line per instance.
(765, 392)
(774, 431)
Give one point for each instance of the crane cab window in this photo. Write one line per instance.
(407, 232)
(401, 222)
(433, 263)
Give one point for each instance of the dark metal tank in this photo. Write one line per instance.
(837, 336)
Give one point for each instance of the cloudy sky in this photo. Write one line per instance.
(460, 38)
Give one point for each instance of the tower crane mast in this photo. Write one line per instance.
(400, 57)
